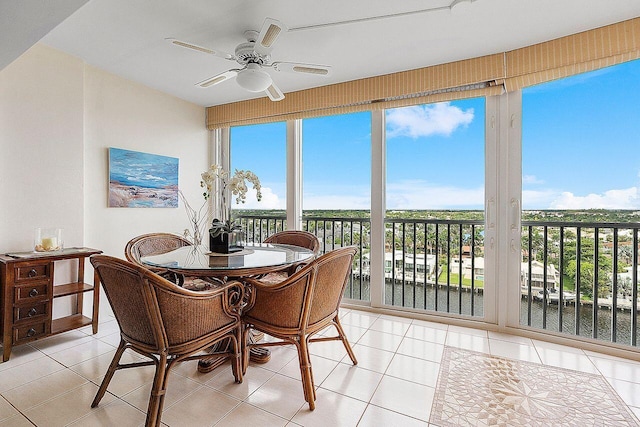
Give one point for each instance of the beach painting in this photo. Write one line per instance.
(142, 180)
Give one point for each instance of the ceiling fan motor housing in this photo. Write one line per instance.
(245, 54)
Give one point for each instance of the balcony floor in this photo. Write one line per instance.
(52, 382)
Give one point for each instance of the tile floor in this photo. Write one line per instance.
(52, 382)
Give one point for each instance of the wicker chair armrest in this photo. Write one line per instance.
(275, 287)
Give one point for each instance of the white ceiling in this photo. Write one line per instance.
(23, 23)
(127, 37)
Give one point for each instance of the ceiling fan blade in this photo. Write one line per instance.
(274, 93)
(295, 67)
(197, 48)
(222, 77)
(271, 30)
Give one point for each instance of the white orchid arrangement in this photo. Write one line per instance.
(236, 184)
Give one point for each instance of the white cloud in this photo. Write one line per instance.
(338, 201)
(422, 195)
(270, 200)
(418, 194)
(538, 199)
(427, 120)
(628, 198)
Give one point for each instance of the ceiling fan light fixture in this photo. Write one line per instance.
(253, 78)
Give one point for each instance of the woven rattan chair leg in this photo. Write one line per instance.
(306, 373)
(343, 337)
(156, 399)
(237, 357)
(113, 367)
(245, 349)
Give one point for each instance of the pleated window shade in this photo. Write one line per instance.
(575, 54)
(484, 76)
(455, 80)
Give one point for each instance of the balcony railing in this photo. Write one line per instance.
(569, 271)
(332, 232)
(581, 279)
(431, 266)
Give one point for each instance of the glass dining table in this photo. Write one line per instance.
(253, 260)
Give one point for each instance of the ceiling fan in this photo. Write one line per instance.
(254, 56)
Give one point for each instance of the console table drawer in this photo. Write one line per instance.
(24, 293)
(31, 312)
(29, 332)
(32, 272)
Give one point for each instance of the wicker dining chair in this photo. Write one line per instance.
(300, 238)
(160, 243)
(167, 324)
(153, 244)
(298, 308)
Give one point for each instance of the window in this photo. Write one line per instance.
(581, 198)
(262, 150)
(336, 157)
(435, 173)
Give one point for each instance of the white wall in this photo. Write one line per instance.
(58, 116)
(123, 114)
(41, 148)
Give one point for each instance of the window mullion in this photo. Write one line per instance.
(378, 206)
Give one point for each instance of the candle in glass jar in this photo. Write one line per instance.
(49, 243)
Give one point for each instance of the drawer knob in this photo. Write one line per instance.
(33, 292)
(32, 312)
(32, 273)
(31, 332)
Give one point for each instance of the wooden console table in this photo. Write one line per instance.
(27, 293)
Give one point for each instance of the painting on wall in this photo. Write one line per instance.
(142, 180)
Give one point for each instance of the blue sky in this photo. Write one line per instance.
(580, 150)
(581, 141)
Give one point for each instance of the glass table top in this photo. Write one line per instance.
(253, 256)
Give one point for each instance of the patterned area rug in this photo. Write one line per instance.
(475, 389)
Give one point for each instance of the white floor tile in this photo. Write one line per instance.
(514, 350)
(353, 381)
(409, 368)
(381, 340)
(390, 326)
(405, 397)
(52, 382)
(370, 358)
(203, 407)
(27, 372)
(421, 349)
(280, 395)
(245, 414)
(376, 416)
(332, 409)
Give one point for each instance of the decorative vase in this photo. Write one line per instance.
(226, 243)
